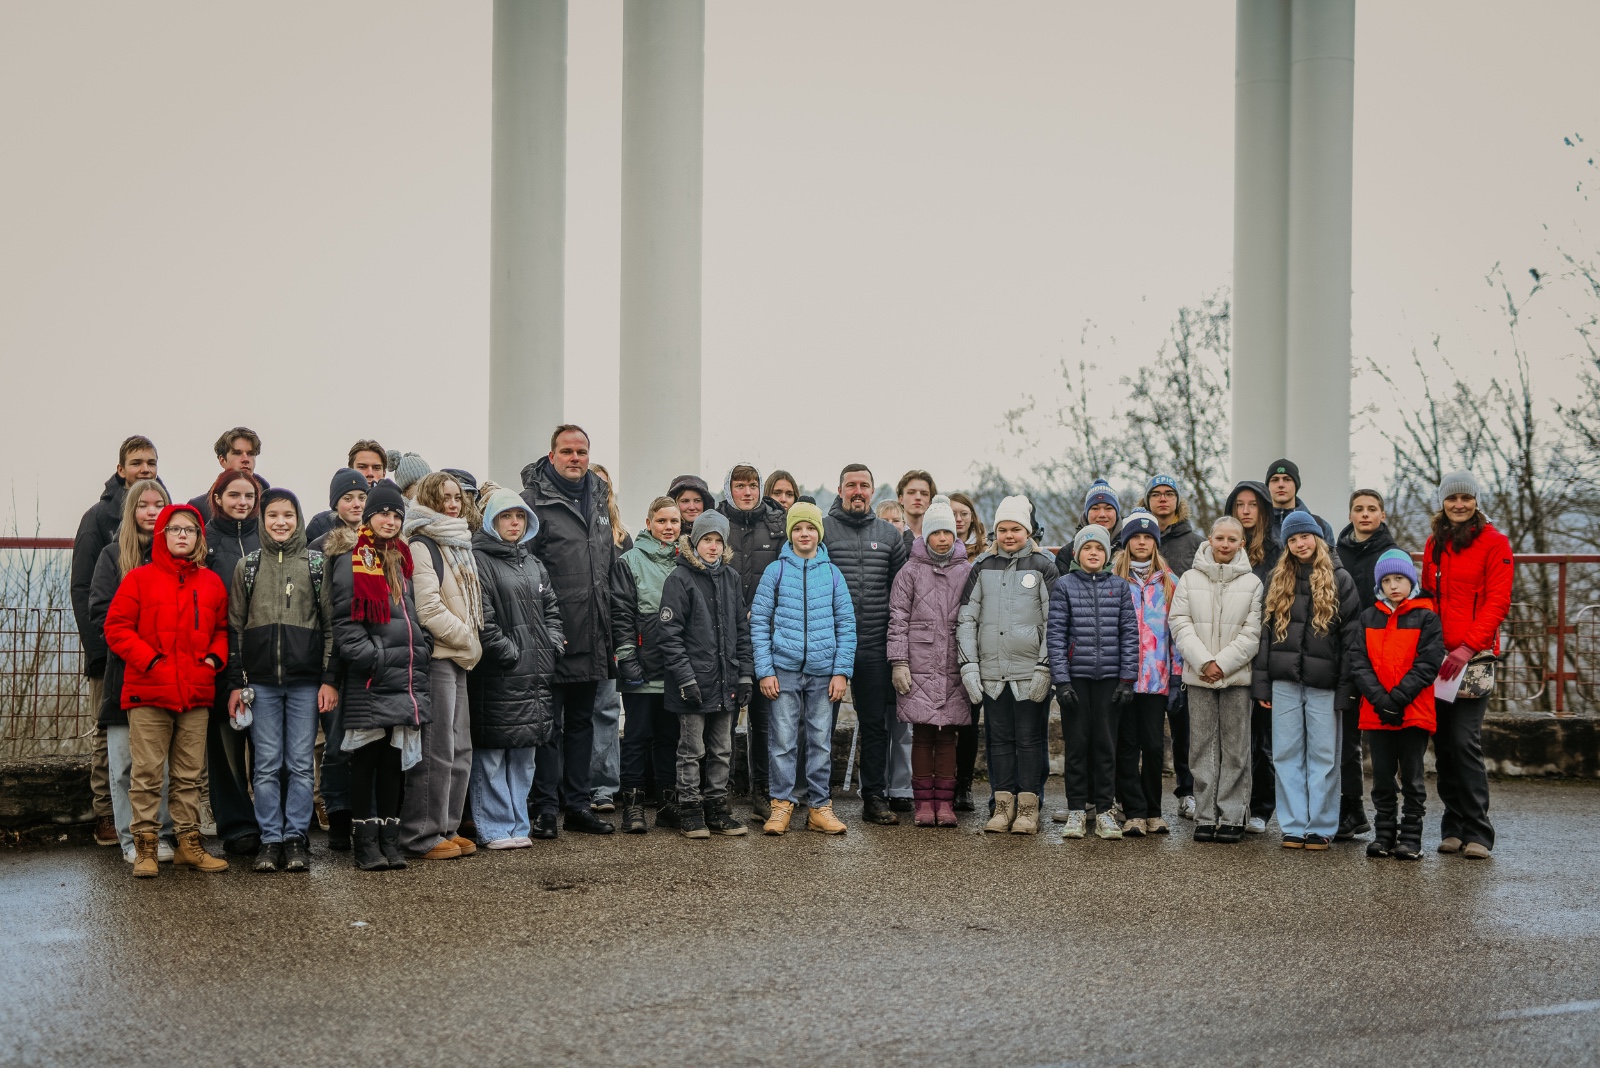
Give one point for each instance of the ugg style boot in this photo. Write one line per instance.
(364, 839)
(944, 802)
(389, 844)
(1027, 819)
(1005, 810)
(191, 854)
(778, 822)
(145, 865)
(922, 803)
(822, 819)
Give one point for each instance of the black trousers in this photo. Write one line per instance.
(1089, 732)
(873, 699)
(967, 749)
(1463, 779)
(1398, 754)
(1263, 781)
(561, 776)
(228, 775)
(760, 710)
(1178, 723)
(1351, 788)
(649, 742)
(1139, 755)
(1016, 739)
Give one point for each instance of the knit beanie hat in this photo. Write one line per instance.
(1284, 467)
(802, 510)
(410, 469)
(344, 481)
(503, 500)
(939, 516)
(1300, 523)
(1139, 523)
(1102, 493)
(1018, 510)
(1162, 480)
(1091, 532)
(465, 479)
(710, 521)
(1458, 482)
(384, 496)
(278, 493)
(1394, 562)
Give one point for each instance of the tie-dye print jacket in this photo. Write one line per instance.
(1159, 661)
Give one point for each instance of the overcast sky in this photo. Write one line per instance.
(277, 215)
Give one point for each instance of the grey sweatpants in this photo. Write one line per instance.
(1219, 754)
(436, 786)
(704, 737)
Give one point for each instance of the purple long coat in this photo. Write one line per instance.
(922, 632)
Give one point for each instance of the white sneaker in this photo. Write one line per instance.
(1075, 824)
(1186, 807)
(164, 851)
(523, 842)
(507, 843)
(130, 855)
(1255, 825)
(1105, 826)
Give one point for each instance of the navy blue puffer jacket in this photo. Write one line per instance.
(1093, 632)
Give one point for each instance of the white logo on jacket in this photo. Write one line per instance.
(1029, 581)
(666, 615)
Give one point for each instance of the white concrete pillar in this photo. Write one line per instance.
(527, 243)
(1322, 92)
(663, 125)
(1260, 234)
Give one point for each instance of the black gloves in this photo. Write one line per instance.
(1066, 696)
(744, 693)
(690, 692)
(630, 672)
(1123, 694)
(1389, 714)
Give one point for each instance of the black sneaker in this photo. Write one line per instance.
(692, 822)
(296, 855)
(720, 819)
(585, 822)
(901, 804)
(242, 845)
(1229, 833)
(760, 806)
(876, 810)
(1352, 823)
(269, 858)
(633, 821)
(1316, 842)
(667, 813)
(1205, 832)
(544, 826)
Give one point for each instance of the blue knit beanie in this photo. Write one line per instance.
(1162, 480)
(1300, 523)
(1139, 523)
(1394, 562)
(1101, 493)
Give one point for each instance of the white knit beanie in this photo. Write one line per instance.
(1013, 509)
(939, 516)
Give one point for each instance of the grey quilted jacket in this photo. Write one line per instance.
(1001, 624)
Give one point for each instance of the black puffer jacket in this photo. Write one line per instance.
(705, 635)
(1179, 543)
(509, 691)
(96, 530)
(1319, 661)
(227, 542)
(103, 587)
(385, 664)
(755, 537)
(869, 552)
(1361, 557)
(575, 545)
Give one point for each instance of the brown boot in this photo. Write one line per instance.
(145, 865)
(778, 822)
(191, 854)
(821, 818)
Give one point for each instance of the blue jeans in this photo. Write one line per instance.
(283, 734)
(802, 708)
(119, 765)
(605, 765)
(1305, 759)
(501, 779)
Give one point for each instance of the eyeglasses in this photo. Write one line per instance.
(183, 532)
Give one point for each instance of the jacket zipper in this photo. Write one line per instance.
(805, 616)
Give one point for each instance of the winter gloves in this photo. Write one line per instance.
(1455, 663)
(972, 682)
(1039, 685)
(630, 672)
(690, 692)
(1124, 693)
(1066, 696)
(1390, 714)
(900, 676)
(744, 693)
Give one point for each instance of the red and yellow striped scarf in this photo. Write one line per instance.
(369, 586)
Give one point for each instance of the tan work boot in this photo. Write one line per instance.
(145, 865)
(821, 818)
(1027, 818)
(1005, 809)
(191, 854)
(778, 822)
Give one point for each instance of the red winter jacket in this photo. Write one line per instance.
(165, 619)
(1396, 661)
(1472, 589)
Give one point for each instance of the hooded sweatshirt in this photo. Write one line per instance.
(278, 628)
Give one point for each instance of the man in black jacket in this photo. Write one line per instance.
(869, 552)
(368, 459)
(136, 459)
(574, 543)
(756, 535)
(1360, 544)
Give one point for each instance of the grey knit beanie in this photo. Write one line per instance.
(1094, 533)
(1458, 482)
(410, 470)
(709, 522)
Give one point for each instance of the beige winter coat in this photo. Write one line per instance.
(443, 610)
(1216, 615)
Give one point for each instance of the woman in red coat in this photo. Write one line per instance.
(169, 624)
(1466, 570)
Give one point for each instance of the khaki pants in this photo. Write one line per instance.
(99, 776)
(174, 741)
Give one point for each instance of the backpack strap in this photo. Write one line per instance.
(318, 565)
(435, 553)
(252, 568)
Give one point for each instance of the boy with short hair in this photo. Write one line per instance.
(803, 634)
(1394, 667)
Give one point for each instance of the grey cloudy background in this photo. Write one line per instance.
(278, 215)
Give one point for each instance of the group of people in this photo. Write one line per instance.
(435, 663)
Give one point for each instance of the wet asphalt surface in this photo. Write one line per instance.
(889, 946)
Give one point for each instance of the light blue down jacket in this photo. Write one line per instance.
(801, 618)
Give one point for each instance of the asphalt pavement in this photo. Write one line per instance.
(889, 946)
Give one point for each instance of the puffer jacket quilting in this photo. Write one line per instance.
(802, 619)
(869, 552)
(577, 551)
(1159, 662)
(923, 605)
(704, 635)
(1093, 631)
(755, 538)
(1004, 614)
(509, 689)
(385, 665)
(1398, 655)
(1216, 615)
(1317, 661)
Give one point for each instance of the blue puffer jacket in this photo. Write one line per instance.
(1093, 632)
(801, 618)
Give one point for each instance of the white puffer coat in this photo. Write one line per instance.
(1216, 615)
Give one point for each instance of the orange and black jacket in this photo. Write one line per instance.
(1396, 662)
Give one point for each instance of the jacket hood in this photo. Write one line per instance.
(114, 486)
(340, 539)
(788, 553)
(687, 555)
(1219, 572)
(297, 537)
(648, 544)
(727, 487)
(836, 511)
(1178, 529)
(692, 482)
(920, 553)
(1410, 604)
(503, 500)
(1258, 488)
(159, 553)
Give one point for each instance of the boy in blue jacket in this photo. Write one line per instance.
(803, 630)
